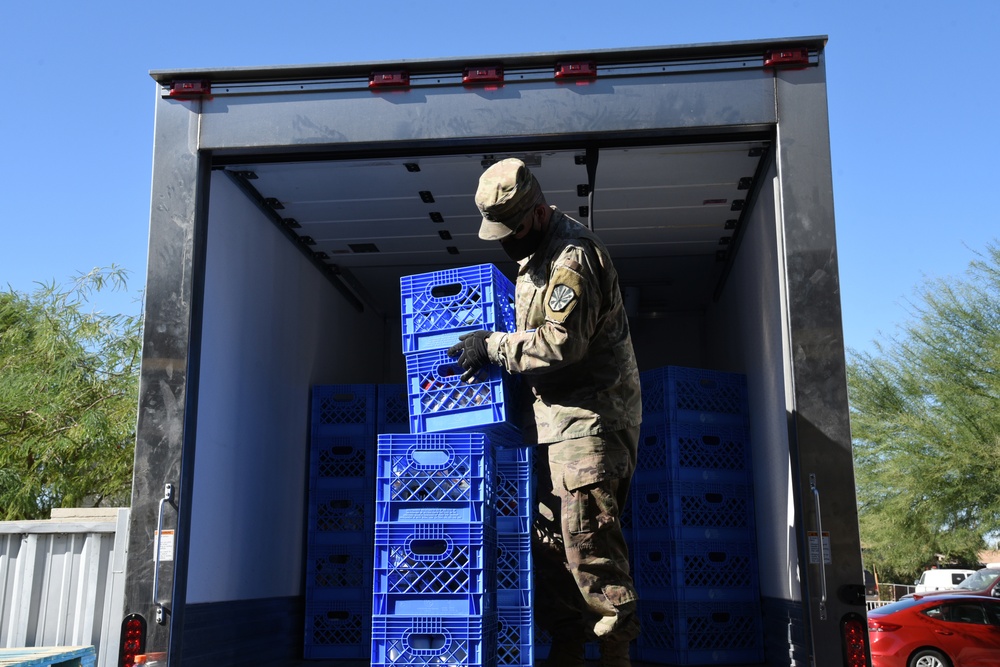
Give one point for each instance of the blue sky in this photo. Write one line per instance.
(912, 85)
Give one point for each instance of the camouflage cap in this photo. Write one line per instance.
(507, 191)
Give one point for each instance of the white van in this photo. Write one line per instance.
(940, 580)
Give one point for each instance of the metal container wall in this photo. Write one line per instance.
(62, 582)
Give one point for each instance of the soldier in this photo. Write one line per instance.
(572, 347)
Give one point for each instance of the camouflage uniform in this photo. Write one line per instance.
(572, 347)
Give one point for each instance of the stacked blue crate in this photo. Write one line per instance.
(694, 543)
(437, 308)
(434, 588)
(339, 553)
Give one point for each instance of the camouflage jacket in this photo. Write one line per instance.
(572, 345)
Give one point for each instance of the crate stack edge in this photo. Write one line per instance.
(341, 520)
(435, 546)
(515, 567)
(436, 309)
(692, 521)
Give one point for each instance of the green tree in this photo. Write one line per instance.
(68, 397)
(925, 418)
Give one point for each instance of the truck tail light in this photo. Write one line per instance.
(189, 90)
(854, 636)
(787, 58)
(389, 79)
(582, 69)
(133, 640)
(487, 75)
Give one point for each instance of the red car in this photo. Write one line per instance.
(983, 582)
(939, 631)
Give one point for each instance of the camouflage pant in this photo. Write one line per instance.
(582, 582)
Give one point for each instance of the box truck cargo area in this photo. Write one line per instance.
(288, 204)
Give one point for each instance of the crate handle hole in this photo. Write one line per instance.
(441, 291)
(713, 498)
(655, 556)
(339, 559)
(717, 556)
(431, 457)
(707, 383)
(340, 504)
(720, 617)
(652, 498)
(711, 440)
(428, 547)
(344, 398)
(426, 641)
(448, 370)
(658, 616)
(341, 450)
(336, 615)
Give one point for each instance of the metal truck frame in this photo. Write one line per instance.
(260, 285)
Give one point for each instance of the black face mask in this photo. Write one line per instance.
(518, 249)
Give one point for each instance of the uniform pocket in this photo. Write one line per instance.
(590, 487)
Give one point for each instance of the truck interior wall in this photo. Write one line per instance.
(746, 328)
(273, 327)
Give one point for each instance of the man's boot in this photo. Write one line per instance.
(566, 652)
(614, 654)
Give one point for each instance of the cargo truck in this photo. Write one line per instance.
(287, 202)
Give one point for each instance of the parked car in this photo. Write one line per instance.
(982, 582)
(942, 631)
(940, 580)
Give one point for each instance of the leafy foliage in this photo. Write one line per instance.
(926, 427)
(69, 381)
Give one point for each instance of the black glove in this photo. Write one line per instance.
(471, 353)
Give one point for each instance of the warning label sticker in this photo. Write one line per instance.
(163, 544)
(814, 548)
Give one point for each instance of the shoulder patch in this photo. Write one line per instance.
(564, 292)
(560, 297)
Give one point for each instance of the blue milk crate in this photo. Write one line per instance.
(339, 572)
(341, 516)
(515, 636)
(435, 477)
(435, 569)
(338, 630)
(515, 586)
(693, 452)
(437, 307)
(343, 410)
(342, 462)
(393, 412)
(696, 570)
(700, 633)
(440, 401)
(692, 511)
(674, 394)
(429, 641)
(513, 488)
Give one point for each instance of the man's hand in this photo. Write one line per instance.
(470, 350)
